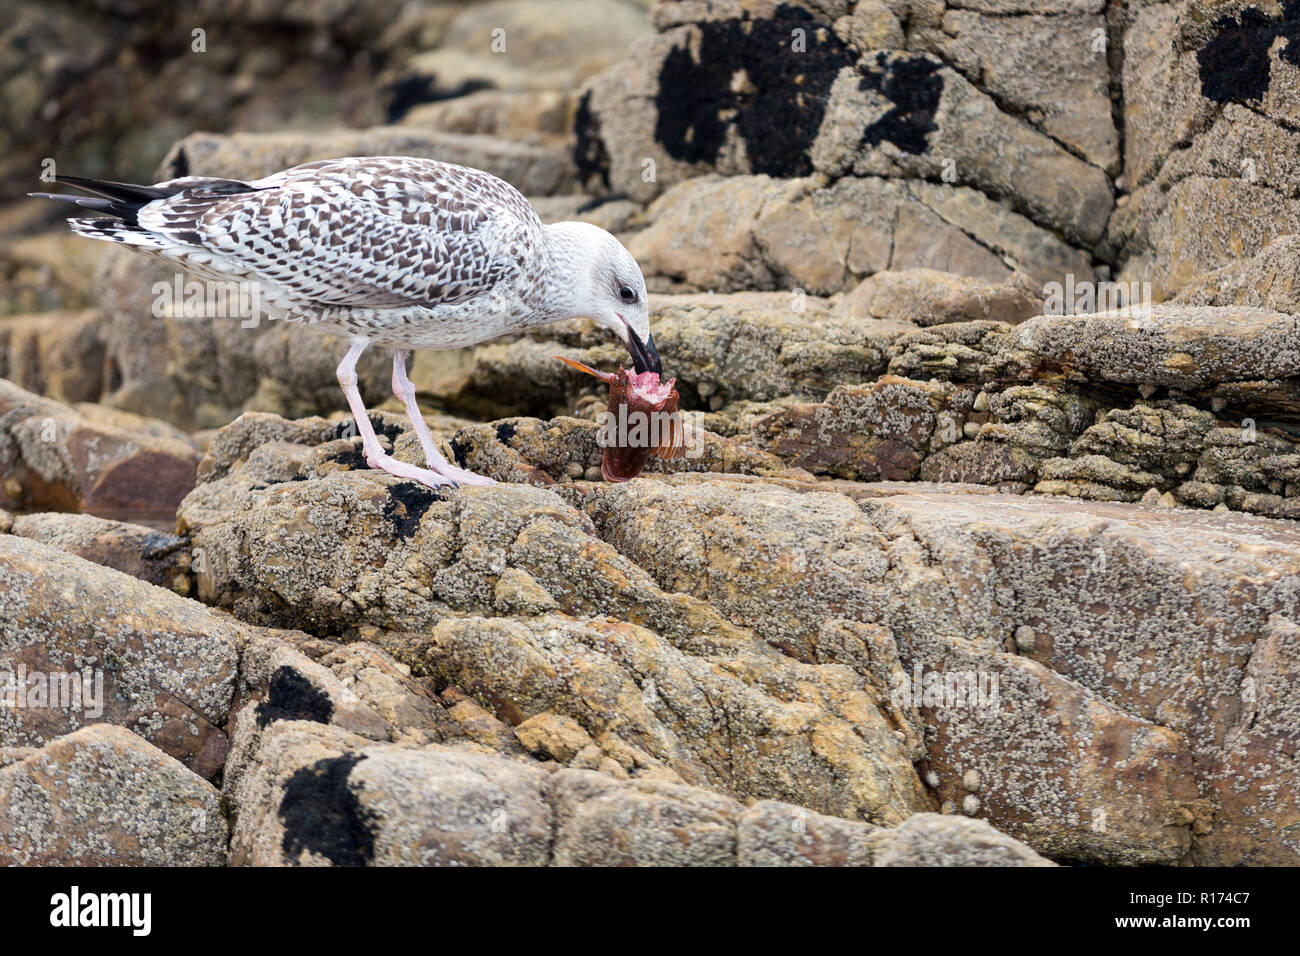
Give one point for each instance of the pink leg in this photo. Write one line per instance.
(405, 391)
(376, 457)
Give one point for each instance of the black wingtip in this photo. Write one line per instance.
(90, 202)
(124, 192)
(123, 210)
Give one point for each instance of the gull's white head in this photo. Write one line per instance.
(606, 286)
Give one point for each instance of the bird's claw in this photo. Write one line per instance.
(400, 469)
(460, 476)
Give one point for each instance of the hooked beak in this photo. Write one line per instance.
(645, 358)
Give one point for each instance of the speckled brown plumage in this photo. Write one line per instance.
(389, 250)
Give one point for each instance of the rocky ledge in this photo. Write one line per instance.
(699, 667)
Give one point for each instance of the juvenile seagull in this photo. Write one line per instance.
(400, 252)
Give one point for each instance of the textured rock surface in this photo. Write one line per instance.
(513, 45)
(722, 348)
(319, 795)
(1256, 780)
(931, 840)
(154, 556)
(56, 457)
(564, 449)
(1090, 623)
(532, 116)
(213, 369)
(1195, 403)
(755, 232)
(155, 663)
(717, 75)
(1049, 67)
(1183, 346)
(1209, 113)
(256, 65)
(880, 432)
(539, 170)
(42, 272)
(928, 297)
(1267, 280)
(58, 354)
(442, 574)
(956, 576)
(104, 797)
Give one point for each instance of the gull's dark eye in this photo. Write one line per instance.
(626, 294)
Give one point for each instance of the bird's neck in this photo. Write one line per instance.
(567, 249)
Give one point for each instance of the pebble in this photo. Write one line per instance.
(1025, 638)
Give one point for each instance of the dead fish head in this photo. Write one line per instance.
(643, 420)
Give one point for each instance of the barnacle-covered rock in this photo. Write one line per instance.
(107, 798)
(54, 456)
(872, 432)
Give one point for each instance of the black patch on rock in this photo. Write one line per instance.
(460, 451)
(113, 376)
(353, 458)
(777, 113)
(293, 697)
(180, 164)
(385, 428)
(599, 201)
(1234, 64)
(406, 93)
(505, 432)
(914, 86)
(589, 152)
(407, 503)
(322, 814)
(409, 92)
